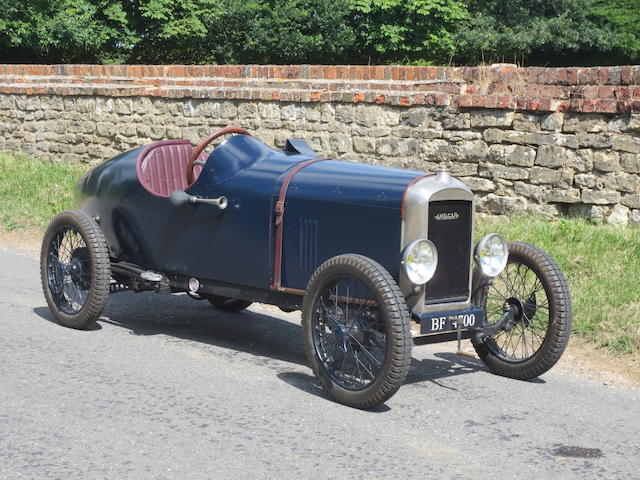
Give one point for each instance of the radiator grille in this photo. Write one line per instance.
(450, 229)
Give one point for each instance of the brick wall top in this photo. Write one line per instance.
(577, 89)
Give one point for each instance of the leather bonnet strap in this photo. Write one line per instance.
(279, 214)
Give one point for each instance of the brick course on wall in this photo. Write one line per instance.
(551, 140)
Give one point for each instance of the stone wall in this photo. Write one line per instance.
(563, 141)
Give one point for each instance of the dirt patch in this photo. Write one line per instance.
(25, 241)
(582, 358)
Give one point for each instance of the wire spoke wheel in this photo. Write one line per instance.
(348, 334)
(520, 286)
(356, 330)
(75, 269)
(69, 270)
(533, 285)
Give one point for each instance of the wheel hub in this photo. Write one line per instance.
(353, 334)
(517, 311)
(356, 334)
(522, 312)
(74, 269)
(529, 309)
(339, 330)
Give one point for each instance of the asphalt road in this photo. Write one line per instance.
(167, 387)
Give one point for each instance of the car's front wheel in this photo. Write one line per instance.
(533, 286)
(356, 331)
(75, 269)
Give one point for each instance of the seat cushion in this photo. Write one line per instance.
(162, 166)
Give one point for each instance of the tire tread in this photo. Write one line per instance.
(100, 271)
(559, 328)
(399, 334)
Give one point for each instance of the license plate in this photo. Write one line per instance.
(447, 321)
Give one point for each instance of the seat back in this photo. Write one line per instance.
(162, 166)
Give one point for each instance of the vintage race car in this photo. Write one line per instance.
(376, 258)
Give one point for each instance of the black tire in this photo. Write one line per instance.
(533, 281)
(379, 327)
(75, 269)
(228, 304)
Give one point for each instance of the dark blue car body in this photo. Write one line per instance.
(332, 207)
(375, 258)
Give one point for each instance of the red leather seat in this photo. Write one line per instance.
(162, 166)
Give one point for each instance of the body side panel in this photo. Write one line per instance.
(335, 207)
(200, 240)
(332, 207)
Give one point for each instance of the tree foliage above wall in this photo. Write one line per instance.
(406, 30)
(538, 32)
(533, 31)
(623, 17)
(63, 30)
(281, 31)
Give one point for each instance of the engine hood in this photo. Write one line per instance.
(344, 183)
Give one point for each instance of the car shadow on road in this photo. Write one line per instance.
(308, 383)
(448, 365)
(426, 371)
(179, 316)
(44, 312)
(445, 365)
(250, 332)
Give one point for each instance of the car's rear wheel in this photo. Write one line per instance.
(534, 286)
(228, 304)
(356, 331)
(75, 269)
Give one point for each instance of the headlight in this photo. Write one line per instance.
(420, 260)
(492, 253)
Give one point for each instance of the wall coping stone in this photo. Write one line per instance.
(613, 89)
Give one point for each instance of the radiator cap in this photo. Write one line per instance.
(443, 174)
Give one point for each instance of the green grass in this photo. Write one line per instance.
(602, 266)
(601, 263)
(31, 191)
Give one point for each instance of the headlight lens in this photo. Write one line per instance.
(492, 253)
(420, 260)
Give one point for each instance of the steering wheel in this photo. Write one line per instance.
(196, 153)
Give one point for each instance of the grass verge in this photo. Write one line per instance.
(602, 266)
(601, 262)
(31, 191)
